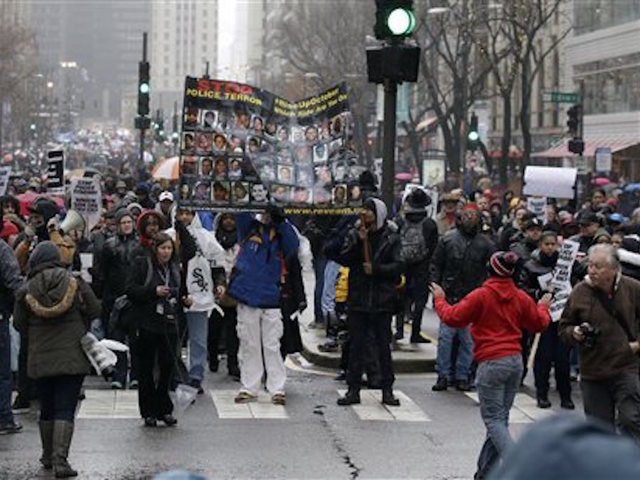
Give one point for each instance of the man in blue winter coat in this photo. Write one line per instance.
(265, 243)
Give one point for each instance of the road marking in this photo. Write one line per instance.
(371, 408)
(223, 401)
(524, 409)
(109, 404)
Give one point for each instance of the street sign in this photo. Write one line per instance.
(560, 97)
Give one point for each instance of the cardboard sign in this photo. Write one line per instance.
(86, 199)
(559, 281)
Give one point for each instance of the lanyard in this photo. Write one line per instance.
(163, 272)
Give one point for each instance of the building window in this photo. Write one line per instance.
(592, 15)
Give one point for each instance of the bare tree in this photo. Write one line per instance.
(452, 75)
(17, 65)
(323, 43)
(528, 18)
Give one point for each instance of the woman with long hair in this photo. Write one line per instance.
(157, 294)
(54, 310)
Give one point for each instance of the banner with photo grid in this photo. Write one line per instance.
(243, 148)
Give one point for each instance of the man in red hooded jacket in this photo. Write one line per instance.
(497, 312)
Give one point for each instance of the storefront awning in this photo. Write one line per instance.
(614, 142)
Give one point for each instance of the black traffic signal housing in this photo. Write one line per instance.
(473, 137)
(395, 19)
(576, 145)
(573, 119)
(144, 88)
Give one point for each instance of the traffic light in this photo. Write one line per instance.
(473, 137)
(576, 143)
(395, 19)
(573, 120)
(144, 88)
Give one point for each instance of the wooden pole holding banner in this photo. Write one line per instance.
(366, 246)
(534, 350)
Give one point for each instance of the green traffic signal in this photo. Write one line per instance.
(473, 136)
(144, 88)
(33, 126)
(401, 22)
(394, 19)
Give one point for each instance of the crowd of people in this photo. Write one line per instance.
(164, 277)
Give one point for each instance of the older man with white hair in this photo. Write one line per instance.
(602, 316)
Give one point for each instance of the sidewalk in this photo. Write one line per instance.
(407, 357)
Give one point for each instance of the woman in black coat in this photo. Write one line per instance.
(157, 293)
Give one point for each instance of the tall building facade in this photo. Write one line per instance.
(184, 37)
(603, 56)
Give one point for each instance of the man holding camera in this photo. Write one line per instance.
(602, 316)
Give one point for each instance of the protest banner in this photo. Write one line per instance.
(243, 148)
(5, 173)
(55, 171)
(86, 199)
(538, 207)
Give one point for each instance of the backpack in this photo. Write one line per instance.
(413, 247)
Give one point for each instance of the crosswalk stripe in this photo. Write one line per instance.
(524, 409)
(109, 404)
(223, 400)
(371, 408)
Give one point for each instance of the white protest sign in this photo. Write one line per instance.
(550, 181)
(538, 207)
(55, 171)
(86, 199)
(560, 282)
(5, 173)
(86, 261)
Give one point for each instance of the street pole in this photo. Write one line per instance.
(142, 129)
(389, 141)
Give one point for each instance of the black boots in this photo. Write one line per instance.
(46, 438)
(389, 399)
(62, 434)
(441, 385)
(352, 397)
(543, 400)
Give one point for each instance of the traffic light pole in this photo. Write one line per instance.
(142, 129)
(389, 141)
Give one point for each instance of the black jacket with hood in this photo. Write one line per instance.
(375, 293)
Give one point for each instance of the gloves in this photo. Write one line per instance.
(53, 225)
(276, 213)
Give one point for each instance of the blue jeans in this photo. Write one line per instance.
(498, 382)
(6, 417)
(198, 325)
(445, 344)
(319, 264)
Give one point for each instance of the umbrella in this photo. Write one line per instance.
(26, 199)
(600, 181)
(404, 177)
(169, 169)
(632, 187)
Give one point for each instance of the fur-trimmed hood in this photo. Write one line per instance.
(51, 292)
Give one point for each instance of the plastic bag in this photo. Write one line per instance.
(184, 396)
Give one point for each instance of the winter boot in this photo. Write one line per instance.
(543, 400)
(389, 399)
(46, 438)
(62, 434)
(441, 385)
(352, 397)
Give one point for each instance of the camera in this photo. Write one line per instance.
(590, 333)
